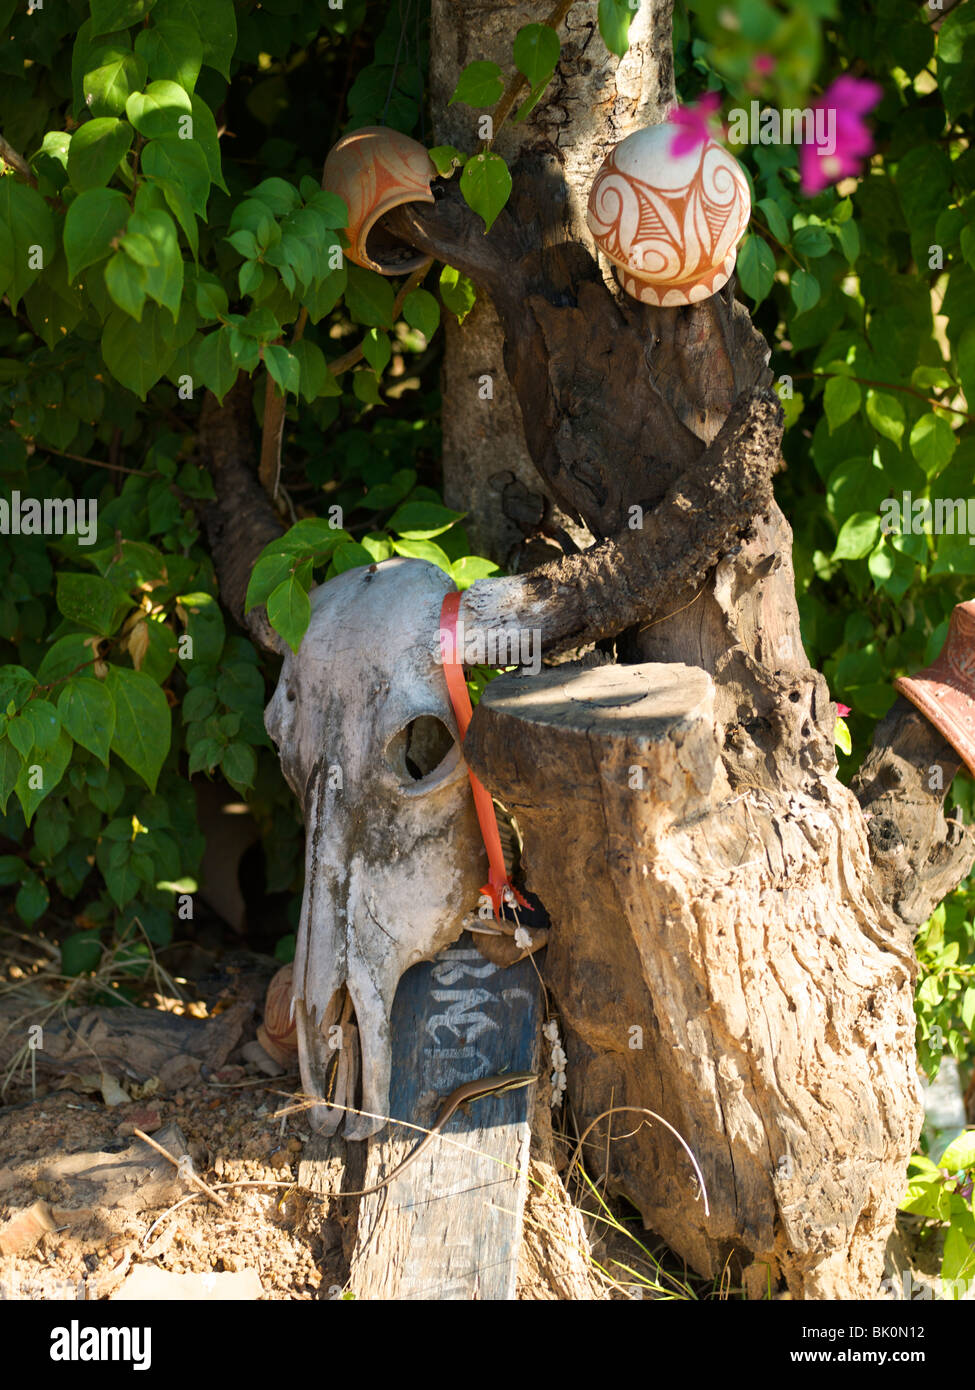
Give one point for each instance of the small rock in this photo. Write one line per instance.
(144, 1117)
(22, 1232)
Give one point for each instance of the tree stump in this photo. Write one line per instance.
(719, 955)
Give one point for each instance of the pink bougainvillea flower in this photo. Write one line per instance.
(694, 122)
(842, 138)
(764, 64)
(842, 710)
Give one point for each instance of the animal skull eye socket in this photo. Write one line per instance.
(419, 748)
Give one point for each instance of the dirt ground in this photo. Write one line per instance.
(90, 1210)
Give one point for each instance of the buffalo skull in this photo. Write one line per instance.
(393, 857)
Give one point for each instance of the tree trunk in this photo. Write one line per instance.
(594, 101)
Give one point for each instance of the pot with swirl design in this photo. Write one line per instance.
(669, 223)
(278, 1034)
(944, 692)
(376, 169)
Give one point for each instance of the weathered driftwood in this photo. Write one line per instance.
(126, 1044)
(721, 958)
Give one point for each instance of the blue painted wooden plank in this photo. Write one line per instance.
(450, 1227)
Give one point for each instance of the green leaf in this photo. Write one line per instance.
(205, 626)
(960, 1153)
(480, 84)
(238, 763)
(811, 241)
(858, 536)
(755, 267)
(211, 297)
(349, 556)
(94, 219)
(80, 953)
(422, 312)
(376, 350)
(886, 414)
(181, 163)
(267, 574)
(172, 50)
(369, 298)
(932, 443)
(446, 158)
(126, 283)
(216, 23)
(88, 713)
(214, 364)
(107, 15)
(138, 354)
(775, 218)
(143, 725)
(108, 86)
(419, 521)
(29, 239)
(164, 281)
(12, 870)
(424, 550)
(289, 611)
(956, 61)
(159, 110)
(804, 289)
(20, 732)
(536, 53)
(486, 186)
(279, 195)
(470, 568)
(841, 400)
(32, 899)
(313, 535)
(95, 151)
(38, 777)
(10, 764)
(314, 374)
(205, 134)
(91, 602)
(615, 18)
(365, 387)
(457, 292)
(283, 367)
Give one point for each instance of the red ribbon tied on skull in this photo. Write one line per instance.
(498, 888)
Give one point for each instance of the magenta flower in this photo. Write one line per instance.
(764, 64)
(842, 138)
(694, 124)
(842, 710)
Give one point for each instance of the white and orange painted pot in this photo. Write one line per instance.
(376, 169)
(669, 223)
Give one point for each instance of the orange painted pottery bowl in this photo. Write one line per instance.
(669, 223)
(278, 1034)
(376, 169)
(944, 692)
